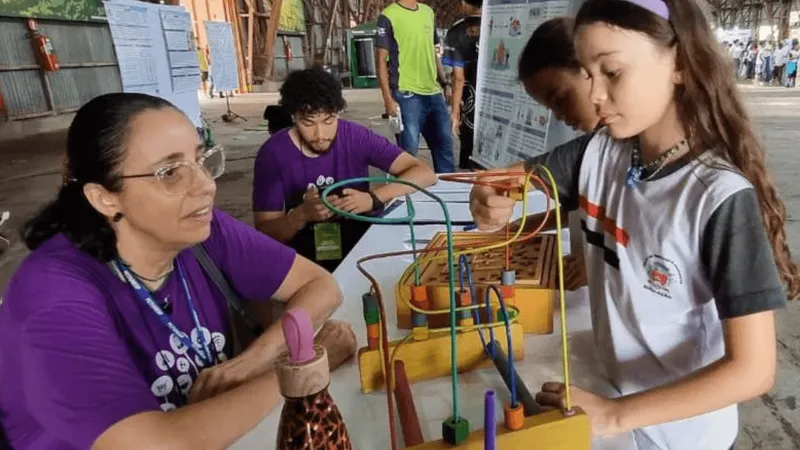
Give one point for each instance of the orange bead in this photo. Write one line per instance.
(514, 417)
(464, 298)
(419, 294)
(507, 292)
(372, 331)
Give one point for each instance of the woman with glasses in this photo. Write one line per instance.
(112, 336)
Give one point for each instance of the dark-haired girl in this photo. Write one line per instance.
(685, 243)
(552, 75)
(111, 322)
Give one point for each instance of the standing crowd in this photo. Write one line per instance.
(766, 63)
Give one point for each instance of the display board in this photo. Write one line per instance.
(223, 65)
(509, 125)
(156, 52)
(181, 50)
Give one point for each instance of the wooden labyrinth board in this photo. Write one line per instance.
(534, 262)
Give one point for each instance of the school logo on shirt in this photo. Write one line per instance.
(662, 274)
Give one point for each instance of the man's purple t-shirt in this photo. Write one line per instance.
(79, 351)
(282, 171)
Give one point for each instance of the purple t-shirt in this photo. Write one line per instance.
(283, 172)
(79, 351)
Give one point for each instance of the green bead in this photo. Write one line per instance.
(455, 431)
(512, 314)
(372, 317)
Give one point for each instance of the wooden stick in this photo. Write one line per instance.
(272, 35)
(409, 421)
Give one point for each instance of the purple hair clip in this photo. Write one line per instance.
(657, 7)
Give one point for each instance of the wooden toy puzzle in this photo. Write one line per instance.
(468, 300)
(534, 262)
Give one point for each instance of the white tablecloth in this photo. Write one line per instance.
(367, 415)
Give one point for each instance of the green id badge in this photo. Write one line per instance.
(328, 241)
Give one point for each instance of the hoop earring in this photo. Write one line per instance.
(117, 217)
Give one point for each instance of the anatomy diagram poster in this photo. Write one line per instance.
(509, 126)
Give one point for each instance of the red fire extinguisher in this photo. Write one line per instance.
(42, 48)
(287, 50)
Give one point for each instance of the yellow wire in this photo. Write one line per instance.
(562, 302)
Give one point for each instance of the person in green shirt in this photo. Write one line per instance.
(411, 79)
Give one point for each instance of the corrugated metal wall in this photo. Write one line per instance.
(88, 67)
(282, 66)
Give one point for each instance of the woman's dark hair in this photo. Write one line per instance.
(550, 46)
(312, 91)
(95, 148)
(277, 118)
(708, 103)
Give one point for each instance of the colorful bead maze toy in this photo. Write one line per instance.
(473, 305)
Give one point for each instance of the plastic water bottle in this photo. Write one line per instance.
(396, 122)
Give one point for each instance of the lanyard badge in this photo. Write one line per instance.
(146, 297)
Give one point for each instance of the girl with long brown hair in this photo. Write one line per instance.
(685, 244)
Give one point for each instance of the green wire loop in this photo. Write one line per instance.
(409, 219)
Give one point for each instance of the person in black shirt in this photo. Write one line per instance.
(461, 53)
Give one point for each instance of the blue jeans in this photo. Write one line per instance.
(427, 114)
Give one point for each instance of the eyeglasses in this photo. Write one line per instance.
(178, 177)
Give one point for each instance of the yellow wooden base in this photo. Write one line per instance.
(535, 264)
(430, 358)
(546, 431)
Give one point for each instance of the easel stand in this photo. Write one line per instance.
(230, 115)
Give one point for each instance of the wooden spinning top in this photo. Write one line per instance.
(310, 418)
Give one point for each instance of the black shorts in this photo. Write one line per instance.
(204, 76)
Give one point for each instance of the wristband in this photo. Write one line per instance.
(376, 202)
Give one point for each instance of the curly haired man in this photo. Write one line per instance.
(296, 164)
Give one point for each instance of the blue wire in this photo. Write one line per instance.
(511, 371)
(463, 266)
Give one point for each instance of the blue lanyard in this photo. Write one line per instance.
(146, 297)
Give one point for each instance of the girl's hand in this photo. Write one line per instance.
(603, 412)
(490, 208)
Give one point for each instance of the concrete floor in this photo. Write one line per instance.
(30, 175)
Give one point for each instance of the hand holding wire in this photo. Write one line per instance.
(355, 201)
(491, 206)
(312, 207)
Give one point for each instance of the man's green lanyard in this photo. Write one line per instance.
(328, 241)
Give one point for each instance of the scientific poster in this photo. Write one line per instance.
(509, 126)
(134, 47)
(179, 37)
(223, 65)
(143, 48)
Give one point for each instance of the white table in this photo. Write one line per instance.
(367, 415)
